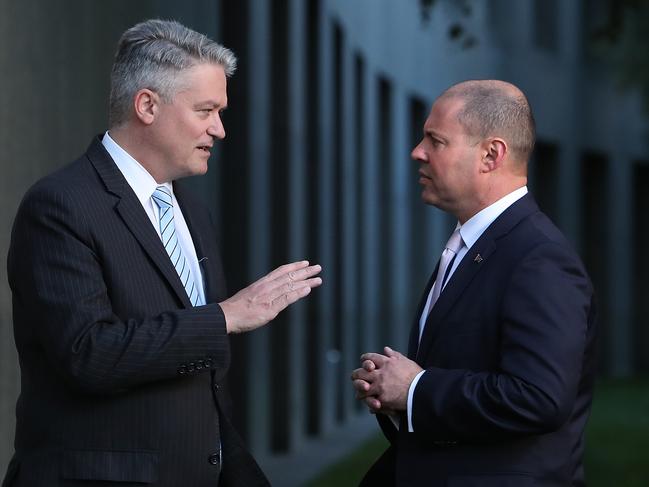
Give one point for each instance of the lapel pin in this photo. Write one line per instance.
(478, 258)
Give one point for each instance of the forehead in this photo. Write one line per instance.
(203, 80)
(443, 114)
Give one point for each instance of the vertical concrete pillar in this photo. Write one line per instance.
(350, 238)
(401, 171)
(326, 354)
(258, 219)
(619, 261)
(298, 226)
(569, 183)
(370, 224)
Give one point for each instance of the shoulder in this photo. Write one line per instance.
(538, 232)
(64, 195)
(542, 254)
(75, 178)
(527, 239)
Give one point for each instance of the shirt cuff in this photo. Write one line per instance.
(411, 393)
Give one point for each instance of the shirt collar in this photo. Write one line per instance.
(135, 174)
(475, 226)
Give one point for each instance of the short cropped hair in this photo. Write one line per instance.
(495, 108)
(154, 54)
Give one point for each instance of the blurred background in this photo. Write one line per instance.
(329, 99)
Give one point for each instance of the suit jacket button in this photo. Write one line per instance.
(190, 367)
(214, 459)
(216, 386)
(208, 363)
(200, 364)
(182, 369)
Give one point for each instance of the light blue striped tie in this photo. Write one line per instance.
(162, 197)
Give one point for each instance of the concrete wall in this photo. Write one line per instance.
(326, 105)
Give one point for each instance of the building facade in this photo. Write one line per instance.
(328, 101)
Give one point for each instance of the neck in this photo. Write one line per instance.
(489, 196)
(137, 146)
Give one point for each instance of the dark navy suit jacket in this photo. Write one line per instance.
(508, 351)
(121, 378)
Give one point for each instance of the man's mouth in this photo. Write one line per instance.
(206, 148)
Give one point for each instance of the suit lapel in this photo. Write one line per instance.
(472, 263)
(207, 265)
(135, 218)
(460, 279)
(413, 341)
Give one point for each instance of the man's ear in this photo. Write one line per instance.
(146, 103)
(494, 151)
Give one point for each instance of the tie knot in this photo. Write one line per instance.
(162, 197)
(455, 243)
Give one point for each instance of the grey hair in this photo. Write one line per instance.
(497, 109)
(154, 54)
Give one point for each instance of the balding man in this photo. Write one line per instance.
(497, 384)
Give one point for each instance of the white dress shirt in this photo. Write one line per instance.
(471, 231)
(144, 185)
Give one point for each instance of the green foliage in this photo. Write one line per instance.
(617, 438)
(461, 10)
(350, 471)
(623, 39)
(617, 34)
(617, 441)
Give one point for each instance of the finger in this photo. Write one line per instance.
(373, 403)
(274, 288)
(285, 300)
(301, 274)
(354, 373)
(285, 269)
(361, 387)
(289, 280)
(291, 292)
(368, 365)
(362, 374)
(378, 359)
(389, 352)
(362, 396)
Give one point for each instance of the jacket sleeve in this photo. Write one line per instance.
(544, 323)
(62, 307)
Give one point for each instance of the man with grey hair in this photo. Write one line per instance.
(496, 386)
(121, 317)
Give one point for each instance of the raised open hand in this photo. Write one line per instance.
(264, 299)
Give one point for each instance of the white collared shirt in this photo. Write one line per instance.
(471, 231)
(144, 185)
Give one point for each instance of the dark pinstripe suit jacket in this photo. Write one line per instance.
(121, 377)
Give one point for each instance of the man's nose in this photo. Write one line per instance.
(417, 153)
(216, 128)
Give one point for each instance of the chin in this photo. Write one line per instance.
(198, 169)
(427, 198)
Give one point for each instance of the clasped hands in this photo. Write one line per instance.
(261, 301)
(382, 381)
